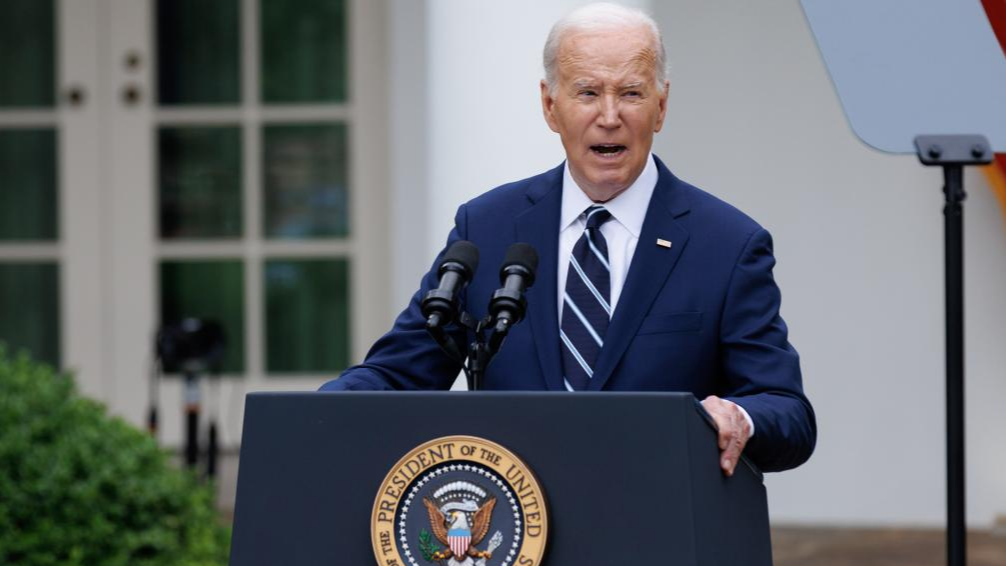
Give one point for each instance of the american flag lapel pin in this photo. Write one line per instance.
(663, 243)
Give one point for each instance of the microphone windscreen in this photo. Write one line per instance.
(465, 253)
(522, 254)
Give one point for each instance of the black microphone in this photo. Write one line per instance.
(440, 305)
(507, 307)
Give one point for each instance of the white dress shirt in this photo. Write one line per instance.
(622, 232)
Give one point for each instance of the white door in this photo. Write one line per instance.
(217, 159)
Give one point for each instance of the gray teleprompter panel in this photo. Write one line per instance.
(904, 68)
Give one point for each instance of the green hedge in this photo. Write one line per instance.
(78, 487)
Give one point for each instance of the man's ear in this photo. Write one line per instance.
(548, 105)
(663, 107)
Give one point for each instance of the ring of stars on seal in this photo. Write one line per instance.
(432, 476)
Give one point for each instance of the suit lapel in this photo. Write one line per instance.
(648, 271)
(539, 226)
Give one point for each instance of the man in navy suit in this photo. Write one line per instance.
(672, 290)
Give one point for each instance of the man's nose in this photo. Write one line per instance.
(608, 113)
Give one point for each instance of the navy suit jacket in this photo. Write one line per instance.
(700, 316)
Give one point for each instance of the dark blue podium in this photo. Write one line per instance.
(629, 478)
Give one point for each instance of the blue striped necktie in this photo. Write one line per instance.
(586, 308)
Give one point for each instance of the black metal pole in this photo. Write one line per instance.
(954, 194)
(953, 152)
(191, 420)
(211, 451)
(477, 363)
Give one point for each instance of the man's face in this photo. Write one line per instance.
(606, 107)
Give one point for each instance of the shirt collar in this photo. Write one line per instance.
(629, 208)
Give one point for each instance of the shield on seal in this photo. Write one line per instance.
(458, 540)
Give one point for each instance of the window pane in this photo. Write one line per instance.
(303, 51)
(27, 53)
(29, 303)
(208, 290)
(28, 185)
(200, 182)
(307, 315)
(198, 46)
(305, 176)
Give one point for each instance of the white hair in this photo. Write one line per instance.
(601, 16)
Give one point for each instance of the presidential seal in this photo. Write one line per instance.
(459, 501)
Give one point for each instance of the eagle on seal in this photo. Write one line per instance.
(453, 531)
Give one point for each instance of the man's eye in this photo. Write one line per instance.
(586, 93)
(633, 93)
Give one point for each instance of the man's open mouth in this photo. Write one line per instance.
(608, 149)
